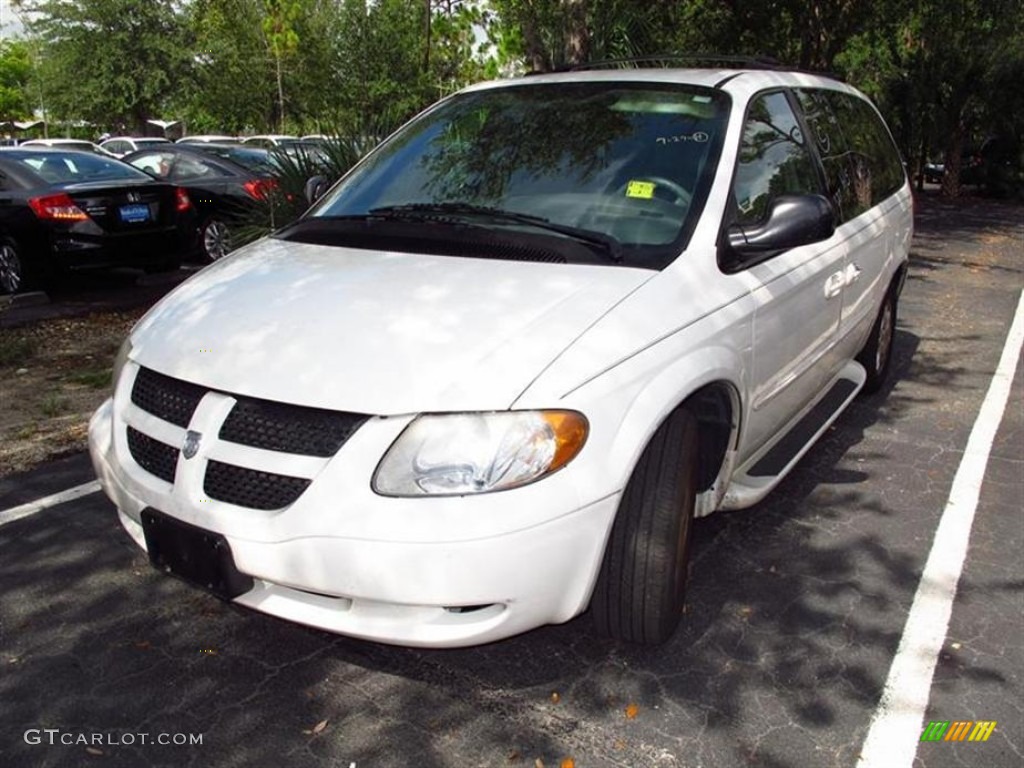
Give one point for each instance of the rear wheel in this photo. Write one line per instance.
(876, 357)
(215, 239)
(12, 271)
(641, 589)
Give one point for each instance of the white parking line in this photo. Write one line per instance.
(24, 510)
(896, 726)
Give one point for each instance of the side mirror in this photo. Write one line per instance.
(315, 188)
(792, 220)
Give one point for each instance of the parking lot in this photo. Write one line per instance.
(796, 608)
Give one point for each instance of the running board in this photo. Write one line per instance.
(765, 469)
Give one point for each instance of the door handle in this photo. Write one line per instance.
(834, 284)
(851, 274)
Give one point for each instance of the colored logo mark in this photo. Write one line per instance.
(958, 730)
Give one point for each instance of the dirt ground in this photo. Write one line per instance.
(53, 375)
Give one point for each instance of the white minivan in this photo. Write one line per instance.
(493, 375)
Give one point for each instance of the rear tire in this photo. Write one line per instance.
(214, 239)
(12, 269)
(641, 588)
(876, 357)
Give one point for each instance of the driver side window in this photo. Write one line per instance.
(774, 159)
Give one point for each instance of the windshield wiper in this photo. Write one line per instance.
(606, 244)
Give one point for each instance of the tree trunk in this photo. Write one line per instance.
(954, 153)
(533, 45)
(280, 92)
(577, 36)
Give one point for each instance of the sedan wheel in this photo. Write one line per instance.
(216, 239)
(12, 274)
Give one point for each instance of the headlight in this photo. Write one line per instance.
(120, 360)
(456, 454)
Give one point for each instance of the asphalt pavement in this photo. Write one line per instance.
(795, 610)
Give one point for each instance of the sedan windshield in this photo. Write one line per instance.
(630, 163)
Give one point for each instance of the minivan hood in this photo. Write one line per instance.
(374, 332)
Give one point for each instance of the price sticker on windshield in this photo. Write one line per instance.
(642, 189)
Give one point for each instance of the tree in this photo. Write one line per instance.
(124, 57)
(15, 77)
(279, 23)
(553, 34)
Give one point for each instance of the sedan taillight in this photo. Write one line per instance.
(181, 196)
(260, 189)
(59, 207)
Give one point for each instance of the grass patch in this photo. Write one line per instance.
(53, 405)
(98, 378)
(24, 433)
(16, 350)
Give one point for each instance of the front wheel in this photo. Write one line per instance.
(876, 357)
(641, 588)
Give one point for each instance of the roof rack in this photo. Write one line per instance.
(691, 61)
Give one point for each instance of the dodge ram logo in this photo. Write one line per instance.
(191, 446)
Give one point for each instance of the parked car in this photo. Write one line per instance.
(270, 141)
(933, 172)
(119, 146)
(223, 181)
(212, 138)
(495, 373)
(79, 145)
(62, 210)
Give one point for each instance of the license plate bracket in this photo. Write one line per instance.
(135, 213)
(194, 554)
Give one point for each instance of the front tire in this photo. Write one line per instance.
(876, 357)
(641, 588)
(12, 270)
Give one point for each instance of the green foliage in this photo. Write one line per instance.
(53, 405)
(946, 73)
(98, 378)
(15, 76)
(124, 58)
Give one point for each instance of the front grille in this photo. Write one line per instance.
(153, 456)
(251, 488)
(170, 399)
(289, 428)
(263, 424)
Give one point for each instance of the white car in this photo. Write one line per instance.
(209, 138)
(119, 146)
(270, 141)
(494, 374)
(80, 145)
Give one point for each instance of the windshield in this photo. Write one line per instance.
(629, 162)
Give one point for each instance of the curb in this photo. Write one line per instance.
(30, 299)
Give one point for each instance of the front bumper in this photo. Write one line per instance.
(453, 590)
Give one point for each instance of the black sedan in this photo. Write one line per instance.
(63, 210)
(224, 181)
